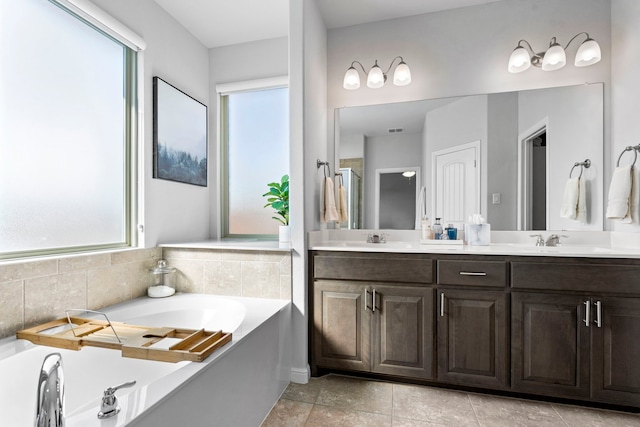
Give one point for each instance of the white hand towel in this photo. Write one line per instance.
(328, 202)
(569, 207)
(618, 206)
(581, 215)
(343, 210)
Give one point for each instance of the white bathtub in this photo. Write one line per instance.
(236, 386)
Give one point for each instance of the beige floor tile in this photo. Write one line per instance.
(288, 413)
(576, 416)
(327, 416)
(304, 392)
(433, 405)
(356, 394)
(495, 411)
(404, 422)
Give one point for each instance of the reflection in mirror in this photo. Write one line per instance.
(527, 141)
(396, 187)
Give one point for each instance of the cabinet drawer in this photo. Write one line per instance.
(379, 268)
(573, 276)
(472, 273)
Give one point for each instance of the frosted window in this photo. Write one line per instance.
(63, 131)
(258, 153)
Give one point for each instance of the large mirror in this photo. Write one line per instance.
(507, 156)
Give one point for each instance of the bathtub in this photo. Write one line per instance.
(235, 386)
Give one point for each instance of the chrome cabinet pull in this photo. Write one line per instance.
(366, 297)
(442, 304)
(599, 314)
(587, 309)
(471, 273)
(373, 301)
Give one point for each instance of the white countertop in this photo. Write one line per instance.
(233, 244)
(592, 245)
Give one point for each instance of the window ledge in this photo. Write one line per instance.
(234, 244)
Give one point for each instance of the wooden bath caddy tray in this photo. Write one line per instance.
(138, 342)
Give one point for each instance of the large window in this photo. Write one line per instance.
(255, 144)
(67, 132)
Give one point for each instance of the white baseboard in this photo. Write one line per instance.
(300, 376)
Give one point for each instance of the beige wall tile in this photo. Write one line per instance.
(135, 255)
(180, 253)
(106, 286)
(285, 265)
(272, 256)
(12, 303)
(223, 278)
(241, 255)
(46, 298)
(25, 270)
(261, 279)
(285, 286)
(83, 262)
(189, 276)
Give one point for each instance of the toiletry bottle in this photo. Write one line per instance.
(425, 229)
(437, 229)
(452, 232)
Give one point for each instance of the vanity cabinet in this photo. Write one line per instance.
(472, 322)
(575, 339)
(373, 313)
(549, 326)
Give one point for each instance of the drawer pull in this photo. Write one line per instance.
(472, 273)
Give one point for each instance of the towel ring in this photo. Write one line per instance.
(585, 164)
(326, 166)
(635, 154)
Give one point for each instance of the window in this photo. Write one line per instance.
(255, 152)
(67, 133)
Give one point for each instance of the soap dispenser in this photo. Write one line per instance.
(161, 288)
(437, 229)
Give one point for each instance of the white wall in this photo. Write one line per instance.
(625, 93)
(502, 131)
(570, 139)
(172, 211)
(230, 64)
(465, 51)
(351, 146)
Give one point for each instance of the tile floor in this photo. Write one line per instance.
(335, 400)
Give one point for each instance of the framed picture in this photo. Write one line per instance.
(179, 135)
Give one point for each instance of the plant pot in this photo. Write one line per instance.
(284, 234)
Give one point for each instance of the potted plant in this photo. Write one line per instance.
(278, 199)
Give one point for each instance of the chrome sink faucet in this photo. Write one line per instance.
(50, 398)
(539, 240)
(554, 240)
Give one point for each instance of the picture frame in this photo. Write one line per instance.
(180, 135)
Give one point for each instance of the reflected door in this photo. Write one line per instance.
(456, 183)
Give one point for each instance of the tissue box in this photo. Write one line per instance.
(478, 234)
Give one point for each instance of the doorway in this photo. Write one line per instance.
(396, 193)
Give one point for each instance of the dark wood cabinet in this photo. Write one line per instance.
(373, 327)
(472, 337)
(546, 326)
(615, 350)
(550, 344)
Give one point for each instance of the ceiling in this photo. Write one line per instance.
(226, 22)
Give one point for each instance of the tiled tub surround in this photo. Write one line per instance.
(232, 272)
(37, 291)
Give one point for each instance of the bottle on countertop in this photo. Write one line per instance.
(452, 232)
(425, 229)
(437, 229)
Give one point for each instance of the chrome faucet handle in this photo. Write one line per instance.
(109, 406)
(554, 239)
(539, 240)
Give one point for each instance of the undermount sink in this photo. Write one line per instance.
(398, 245)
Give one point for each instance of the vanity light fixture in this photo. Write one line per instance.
(376, 78)
(555, 57)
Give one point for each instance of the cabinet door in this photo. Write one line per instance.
(402, 340)
(615, 374)
(341, 325)
(472, 332)
(550, 344)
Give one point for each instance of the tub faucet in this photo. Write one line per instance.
(109, 406)
(50, 398)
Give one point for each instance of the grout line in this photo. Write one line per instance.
(473, 408)
(558, 413)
